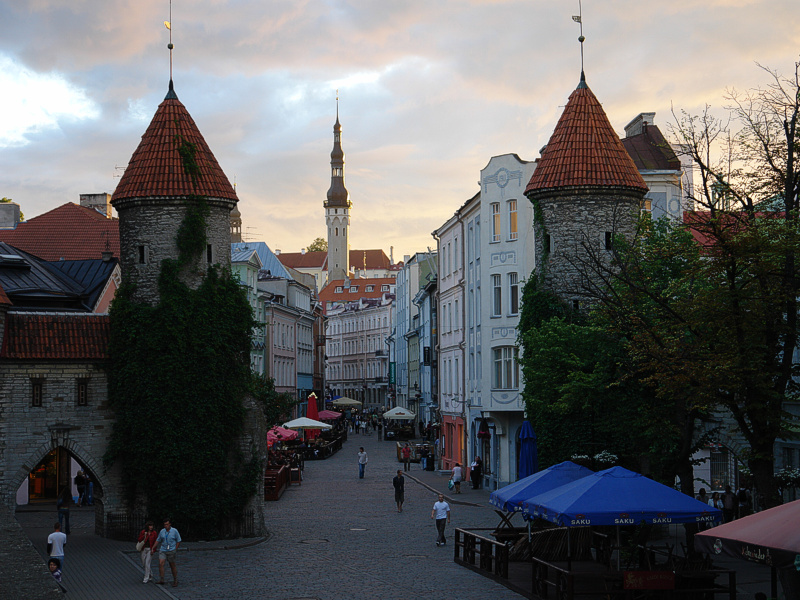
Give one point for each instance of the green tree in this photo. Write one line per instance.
(749, 195)
(318, 245)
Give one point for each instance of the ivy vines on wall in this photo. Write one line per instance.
(179, 373)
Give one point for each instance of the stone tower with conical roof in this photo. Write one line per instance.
(585, 190)
(337, 211)
(171, 174)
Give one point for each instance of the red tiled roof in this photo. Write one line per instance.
(650, 151)
(4, 301)
(584, 150)
(299, 260)
(329, 293)
(376, 259)
(71, 232)
(38, 336)
(156, 167)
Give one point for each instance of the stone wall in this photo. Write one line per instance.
(29, 433)
(576, 221)
(153, 224)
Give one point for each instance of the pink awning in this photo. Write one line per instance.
(329, 415)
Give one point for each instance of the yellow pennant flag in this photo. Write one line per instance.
(168, 25)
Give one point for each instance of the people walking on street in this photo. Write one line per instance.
(167, 545)
(406, 453)
(55, 544)
(399, 484)
(476, 472)
(441, 512)
(80, 483)
(62, 503)
(729, 504)
(363, 459)
(149, 536)
(457, 475)
(423, 457)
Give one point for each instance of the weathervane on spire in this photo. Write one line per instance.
(168, 25)
(337, 104)
(579, 20)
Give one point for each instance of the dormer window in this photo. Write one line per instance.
(338, 289)
(384, 288)
(353, 288)
(370, 288)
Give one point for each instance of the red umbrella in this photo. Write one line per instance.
(312, 413)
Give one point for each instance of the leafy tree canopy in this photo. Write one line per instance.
(318, 245)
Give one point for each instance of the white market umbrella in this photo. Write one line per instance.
(402, 414)
(306, 423)
(345, 401)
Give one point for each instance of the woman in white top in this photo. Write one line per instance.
(457, 477)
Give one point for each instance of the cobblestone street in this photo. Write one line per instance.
(337, 536)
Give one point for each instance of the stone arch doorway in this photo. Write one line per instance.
(58, 468)
(60, 457)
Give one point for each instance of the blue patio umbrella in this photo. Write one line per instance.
(528, 452)
(617, 496)
(511, 497)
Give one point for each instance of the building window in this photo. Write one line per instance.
(512, 219)
(353, 288)
(209, 254)
(609, 241)
(83, 392)
(37, 386)
(142, 255)
(495, 222)
(513, 294)
(547, 245)
(384, 288)
(497, 296)
(506, 369)
(370, 288)
(338, 290)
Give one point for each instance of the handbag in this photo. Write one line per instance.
(450, 484)
(140, 545)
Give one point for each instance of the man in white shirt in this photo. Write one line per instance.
(441, 512)
(362, 462)
(55, 544)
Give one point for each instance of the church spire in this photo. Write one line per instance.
(337, 194)
(337, 209)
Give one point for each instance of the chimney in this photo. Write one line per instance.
(302, 251)
(277, 251)
(9, 215)
(99, 202)
(639, 124)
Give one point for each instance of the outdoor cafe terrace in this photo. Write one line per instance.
(610, 534)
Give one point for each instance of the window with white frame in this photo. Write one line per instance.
(505, 374)
(455, 319)
(512, 219)
(513, 294)
(497, 296)
(495, 221)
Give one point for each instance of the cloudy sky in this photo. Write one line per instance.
(429, 91)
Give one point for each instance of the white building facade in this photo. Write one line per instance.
(498, 259)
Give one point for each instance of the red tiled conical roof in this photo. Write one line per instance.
(156, 167)
(584, 150)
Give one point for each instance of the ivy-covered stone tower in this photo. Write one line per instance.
(171, 175)
(585, 190)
